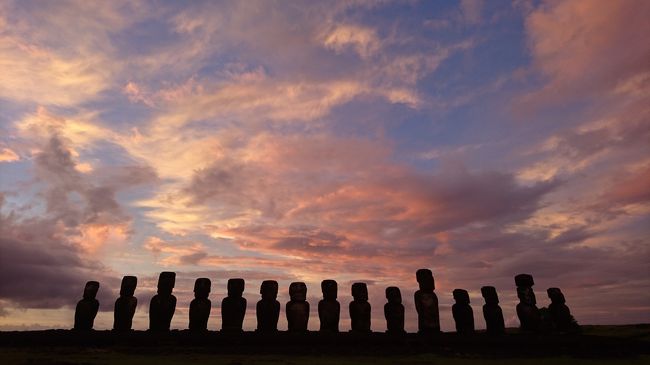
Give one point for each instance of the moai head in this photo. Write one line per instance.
(235, 287)
(393, 295)
(166, 282)
(556, 296)
(461, 296)
(330, 289)
(526, 295)
(360, 292)
(524, 280)
(298, 291)
(202, 288)
(127, 289)
(490, 295)
(425, 279)
(90, 290)
(269, 289)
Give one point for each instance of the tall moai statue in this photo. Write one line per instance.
(462, 312)
(200, 306)
(233, 307)
(426, 303)
(86, 310)
(125, 305)
(360, 308)
(492, 311)
(394, 311)
(163, 304)
(297, 308)
(560, 314)
(527, 311)
(268, 308)
(329, 309)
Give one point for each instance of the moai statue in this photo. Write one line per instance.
(426, 303)
(125, 305)
(527, 311)
(329, 309)
(560, 314)
(200, 306)
(268, 309)
(462, 311)
(360, 308)
(84, 314)
(163, 304)
(233, 307)
(297, 308)
(394, 311)
(492, 312)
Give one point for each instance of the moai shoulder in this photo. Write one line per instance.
(233, 307)
(297, 308)
(360, 311)
(394, 311)
(163, 304)
(527, 311)
(86, 310)
(125, 305)
(329, 309)
(462, 312)
(426, 303)
(268, 308)
(200, 306)
(492, 311)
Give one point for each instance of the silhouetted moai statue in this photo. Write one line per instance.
(462, 311)
(200, 306)
(268, 309)
(329, 309)
(86, 310)
(426, 303)
(125, 305)
(163, 304)
(560, 314)
(297, 308)
(360, 308)
(492, 312)
(527, 311)
(394, 311)
(233, 307)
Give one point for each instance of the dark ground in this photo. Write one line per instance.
(597, 344)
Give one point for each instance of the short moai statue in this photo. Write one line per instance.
(233, 307)
(268, 308)
(462, 312)
(561, 317)
(492, 311)
(125, 305)
(527, 311)
(360, 308)
(163, 304)
(329, 309)
(426, 303)
(297, 308)
(394, 311)
(200, 306)
(86, 310)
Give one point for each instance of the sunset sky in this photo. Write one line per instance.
(311, 140)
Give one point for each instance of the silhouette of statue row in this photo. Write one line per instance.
(233, 307)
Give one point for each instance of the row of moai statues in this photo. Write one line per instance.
(233, 307)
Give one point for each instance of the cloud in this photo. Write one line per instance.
(363, 40)
(8, 155)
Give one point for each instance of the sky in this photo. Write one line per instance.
(309, 140)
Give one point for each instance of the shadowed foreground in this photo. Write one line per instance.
(599, 344)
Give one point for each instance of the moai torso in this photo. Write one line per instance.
(86, 310)
(394, 311)
(125, 305)
(426, 303)
(329, 309)
(462, 312)
(297, 308)
(360, 308)
(268, 309)
(233, 307)
(200, 306)
(527, 311)
(163, 304)
(559, 312)
(492, 311)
